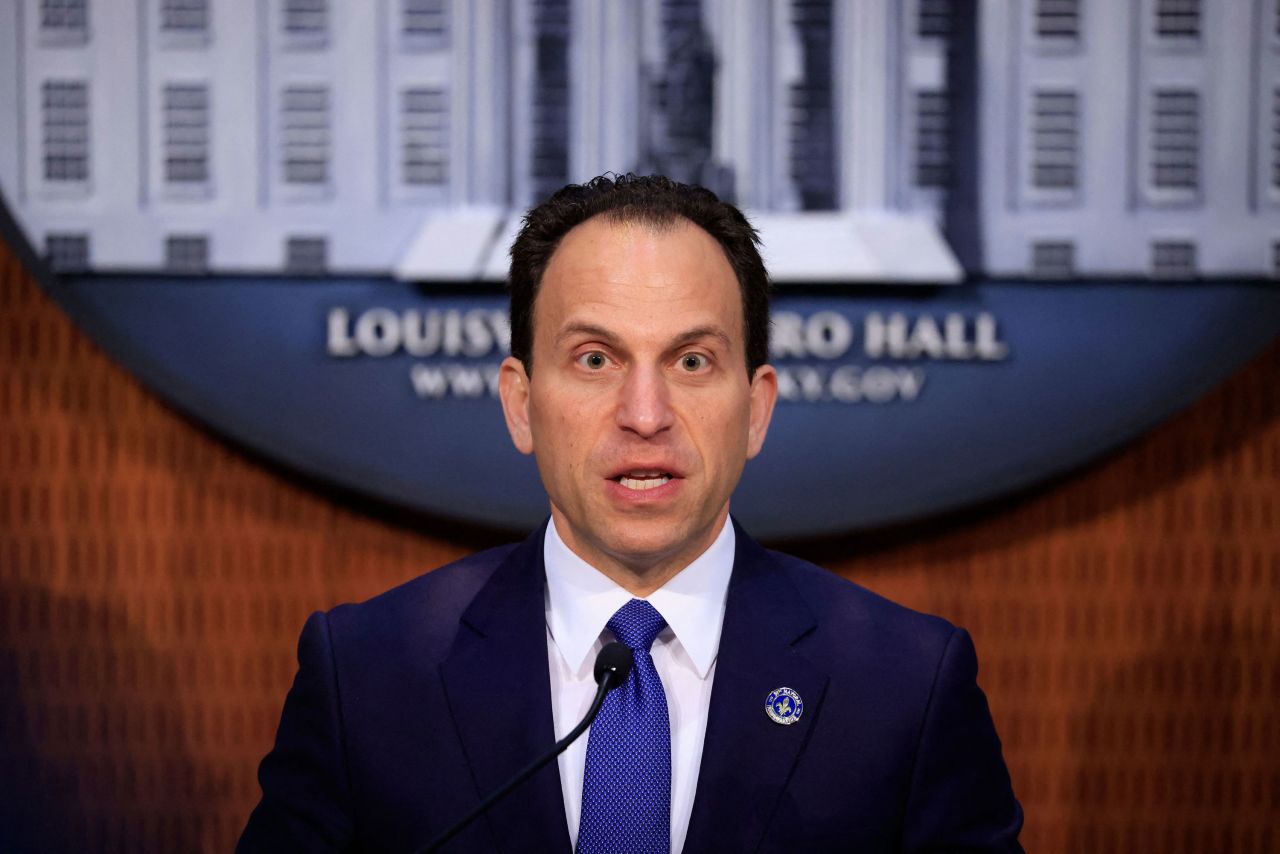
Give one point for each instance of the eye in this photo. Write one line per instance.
(595, 360)
(693, 362)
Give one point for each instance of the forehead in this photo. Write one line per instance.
(631, 273)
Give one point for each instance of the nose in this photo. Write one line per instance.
(644, 403)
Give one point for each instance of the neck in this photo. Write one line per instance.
(639, 585)
(639, 573)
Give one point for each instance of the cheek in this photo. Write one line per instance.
(726, 415)
(562, 426)
(716, 427)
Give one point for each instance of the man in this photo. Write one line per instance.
(771, 706)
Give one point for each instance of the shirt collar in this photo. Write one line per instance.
(581, 599)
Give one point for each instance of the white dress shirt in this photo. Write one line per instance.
(579, 602)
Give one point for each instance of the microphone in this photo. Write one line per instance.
(614, 661)
(613, 665)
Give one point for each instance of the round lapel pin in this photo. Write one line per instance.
(784, 706)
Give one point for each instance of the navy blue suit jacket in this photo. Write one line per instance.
(409, 708)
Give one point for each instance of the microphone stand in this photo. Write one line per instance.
(610, 678)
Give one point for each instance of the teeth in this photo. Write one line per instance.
(646, 482)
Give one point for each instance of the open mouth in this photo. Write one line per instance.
(642, 480)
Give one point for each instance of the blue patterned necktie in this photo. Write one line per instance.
(626, 787)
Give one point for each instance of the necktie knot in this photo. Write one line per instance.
(636, 624)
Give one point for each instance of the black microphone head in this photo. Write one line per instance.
(615, 659)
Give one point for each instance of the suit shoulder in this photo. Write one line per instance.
(847, 607)
(426, 608)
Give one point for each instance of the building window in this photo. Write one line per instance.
(1173, 259)
(306, 255)
(933, 20)
(549, 113)
(186, 253)
(67, 253)
(1055, 141)
(1275, 139)
(1053, 259)
(188, 17)
(425, 23)
(186, 133)
(66, 130)
(1178, 19)
(424, 150)
(305, 134)
(1058, 20)
(810, 108)
(932, 140)
(1175, 140)
(65, 19)
(306, 19)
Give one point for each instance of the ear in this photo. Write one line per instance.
(764, 394)
(513, 390)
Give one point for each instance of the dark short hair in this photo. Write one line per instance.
(648, 200)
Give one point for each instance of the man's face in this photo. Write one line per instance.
(639, 410)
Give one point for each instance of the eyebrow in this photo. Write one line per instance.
(699, 332)
(687, 337)
(589, 329)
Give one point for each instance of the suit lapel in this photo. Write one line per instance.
(497, 686)
(747, 759)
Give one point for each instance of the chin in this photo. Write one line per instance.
(649, 542)
(640, 547)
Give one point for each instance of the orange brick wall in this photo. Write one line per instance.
(153, 580)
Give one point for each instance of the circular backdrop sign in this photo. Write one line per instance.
(895, 403)
(294, 226)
